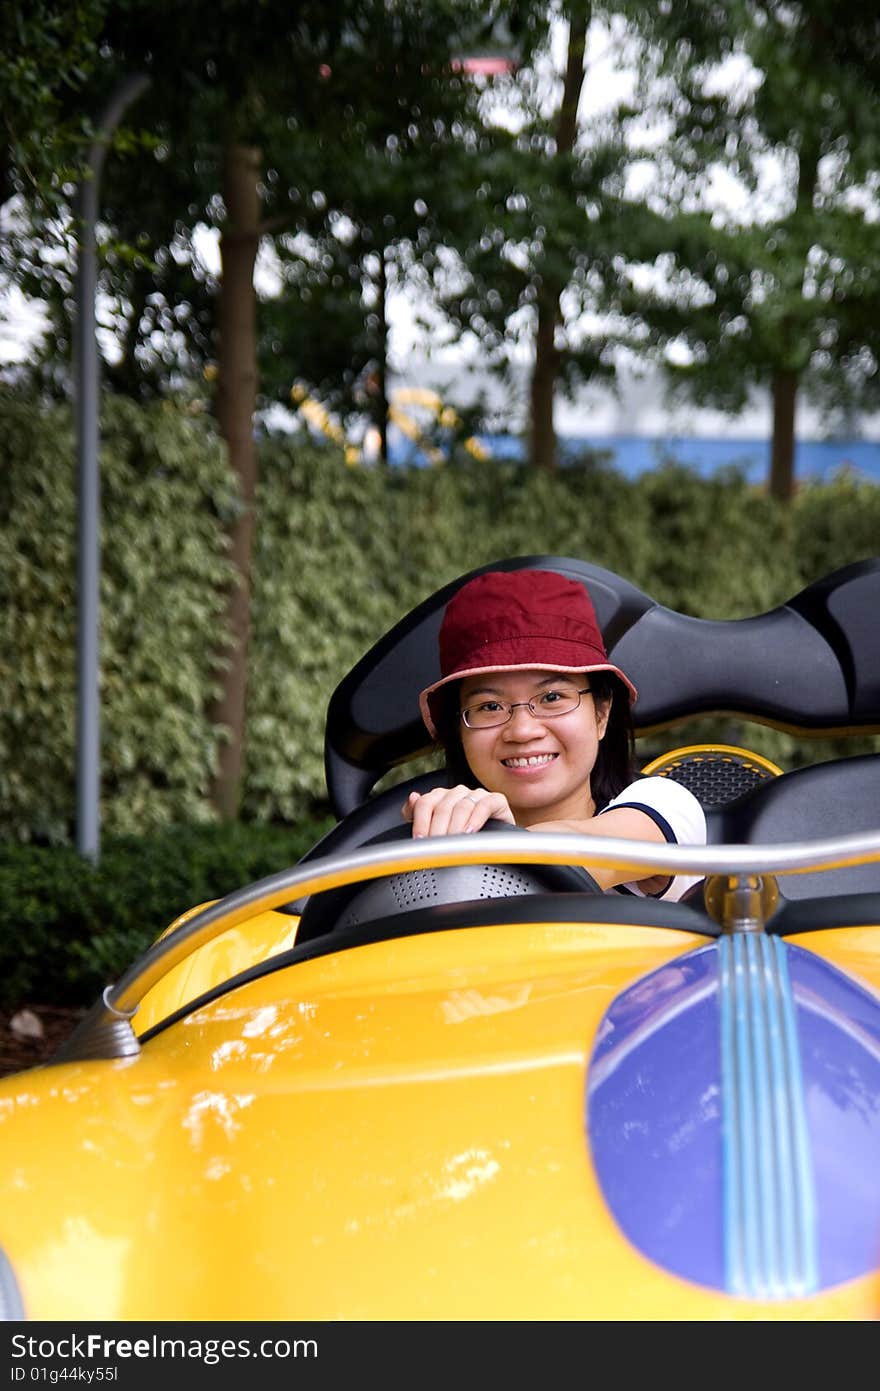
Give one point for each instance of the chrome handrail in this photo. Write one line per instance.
(120, 1001)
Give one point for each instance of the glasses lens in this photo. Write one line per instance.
(556, 702)
(490, 713)
(485, 715)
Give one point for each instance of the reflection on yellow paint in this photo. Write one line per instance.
(234, 951)
(466, 1173)
(220, 1108)
(468, 1004)
(261, 1022)
(394, 1132)
(98, 1260)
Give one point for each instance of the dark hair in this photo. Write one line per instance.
(614, 767)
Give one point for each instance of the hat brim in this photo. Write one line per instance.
(429, 691)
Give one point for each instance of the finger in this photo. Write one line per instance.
(436, 819)
(427, 819)
(476, 807)
(443, 811)
(498, 809)
(466, 814)
(492, 806)
(419, 809)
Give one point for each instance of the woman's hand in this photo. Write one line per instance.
(450, 811)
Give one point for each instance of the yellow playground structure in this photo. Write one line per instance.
(413, 410)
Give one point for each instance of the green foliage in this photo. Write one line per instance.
(165, 489)
(782, 291)
(544, 223)
(47, 49)
(353, 106)
(341, 554)
(835, 523)
(719, 547)
(67, 928)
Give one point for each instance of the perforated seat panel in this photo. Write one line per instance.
(715, 774)
(421, 888)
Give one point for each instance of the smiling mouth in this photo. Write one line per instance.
(537, 760)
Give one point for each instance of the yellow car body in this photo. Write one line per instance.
(392, 1131)
(534, 1102)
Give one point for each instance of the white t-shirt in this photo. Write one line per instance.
(677, 812)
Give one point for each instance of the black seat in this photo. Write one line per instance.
(683, 667)
(749, 801)
(811, 664)
(836, 798)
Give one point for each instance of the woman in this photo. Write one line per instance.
(537, 729)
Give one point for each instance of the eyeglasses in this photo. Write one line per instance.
(489, 714)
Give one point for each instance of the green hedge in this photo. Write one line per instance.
(341, 554)
(165, 491)
(67, 928)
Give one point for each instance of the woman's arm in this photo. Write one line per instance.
(653, 810)
(628, 823)
(460, 810)
(677, 814)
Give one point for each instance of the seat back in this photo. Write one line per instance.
(715, 773)
(811, 664)
(750, 801)
(836, 798)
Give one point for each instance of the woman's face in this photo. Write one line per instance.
(542, 766)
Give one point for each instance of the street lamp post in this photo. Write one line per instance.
(86, 395)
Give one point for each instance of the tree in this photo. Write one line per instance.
(253, 112)
(376, 216)
(47, 50)
(545, 370)
(787, 293)
(539, 238)
(383, 204)
(218, 83)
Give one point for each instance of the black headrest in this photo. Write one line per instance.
(812, 664)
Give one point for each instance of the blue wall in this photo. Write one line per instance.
(633, 454)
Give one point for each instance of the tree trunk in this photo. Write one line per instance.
(786, 376)
(546, 368)
(236, 401)
(543, 386)
(382, 360)
(785, 386)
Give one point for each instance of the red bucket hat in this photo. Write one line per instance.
(517, 620)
